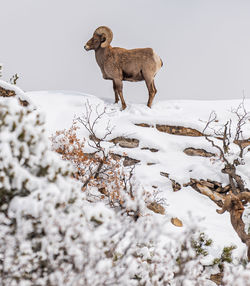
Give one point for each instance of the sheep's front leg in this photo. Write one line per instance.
(116, 92)
(118, 88)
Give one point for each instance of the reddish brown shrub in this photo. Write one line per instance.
(99, 169)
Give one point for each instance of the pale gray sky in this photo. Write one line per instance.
(204, 44)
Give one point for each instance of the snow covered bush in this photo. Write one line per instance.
(236, 275)
(24, 154)
(31, 178)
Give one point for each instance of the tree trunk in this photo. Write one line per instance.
(234, 205)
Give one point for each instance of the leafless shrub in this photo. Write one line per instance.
(230, 135)
(99, 170)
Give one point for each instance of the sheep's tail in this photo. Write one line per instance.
(158, 61)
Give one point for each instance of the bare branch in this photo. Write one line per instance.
(242, 116)
(212, 118)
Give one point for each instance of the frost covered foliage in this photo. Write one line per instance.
(24, 153)
(236, 275)
(31, 180)
(51, 234)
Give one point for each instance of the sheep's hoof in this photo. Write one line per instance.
(124, 107)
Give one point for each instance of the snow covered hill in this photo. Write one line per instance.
(48, 224)
(166, 154)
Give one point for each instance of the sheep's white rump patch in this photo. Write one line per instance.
(157, 60)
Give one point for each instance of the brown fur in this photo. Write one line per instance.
(118, 64)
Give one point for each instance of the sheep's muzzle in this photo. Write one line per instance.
(86, 47)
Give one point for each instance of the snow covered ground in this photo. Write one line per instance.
(61, 108)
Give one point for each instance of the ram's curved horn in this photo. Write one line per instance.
(103, 30)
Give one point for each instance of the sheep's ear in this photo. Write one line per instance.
(103, 38)
(104, 42)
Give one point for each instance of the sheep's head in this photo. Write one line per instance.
(102, 37)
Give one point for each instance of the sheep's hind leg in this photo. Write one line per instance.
(118, 87)
(151, 91)
(116, 93)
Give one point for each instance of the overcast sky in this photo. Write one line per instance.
(204, 44)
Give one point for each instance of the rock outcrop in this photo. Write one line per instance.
(127, 160)
(176, 222)
(175, 130)
(198, 152)
(175, 185)
(125, 142)
(156, 207)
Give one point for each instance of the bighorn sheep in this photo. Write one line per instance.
(118, 64)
